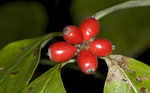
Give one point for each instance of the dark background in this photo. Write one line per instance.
(74, 80)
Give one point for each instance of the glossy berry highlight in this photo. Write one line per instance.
(101, 47)
(90, 28)
(72, 34)
(61, 51)
(87, 62)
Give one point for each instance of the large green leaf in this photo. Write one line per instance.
(18, 61)
(126, 75)
(19, 20)
(128, 29)
(49, 82)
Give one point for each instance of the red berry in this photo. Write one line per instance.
(101, 47)
(61, 51)
(90, 28)
(87, 62)
(72, 34)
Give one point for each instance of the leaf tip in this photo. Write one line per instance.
(15, 72)
(143, 90)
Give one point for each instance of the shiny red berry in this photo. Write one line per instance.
(87, 62)
(90, 28)
(61, 51)
(72, 34)
(101, 47)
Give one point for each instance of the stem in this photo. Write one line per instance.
(47, 38)
(128, 4)
(70, 61)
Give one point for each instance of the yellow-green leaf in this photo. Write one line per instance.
(126, 75)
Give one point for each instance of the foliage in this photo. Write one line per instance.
(18, 61)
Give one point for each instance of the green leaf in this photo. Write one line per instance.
(18, 61)
(49, 82)
(126, 75)
(20, 20)
(127, 29)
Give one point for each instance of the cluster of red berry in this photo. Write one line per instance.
(86, 47)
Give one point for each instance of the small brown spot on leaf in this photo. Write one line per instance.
(143, 90)
(30, 89)
(35, 52)
(15, 73)
(124, 79)
(138, 79)
(22, 48)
